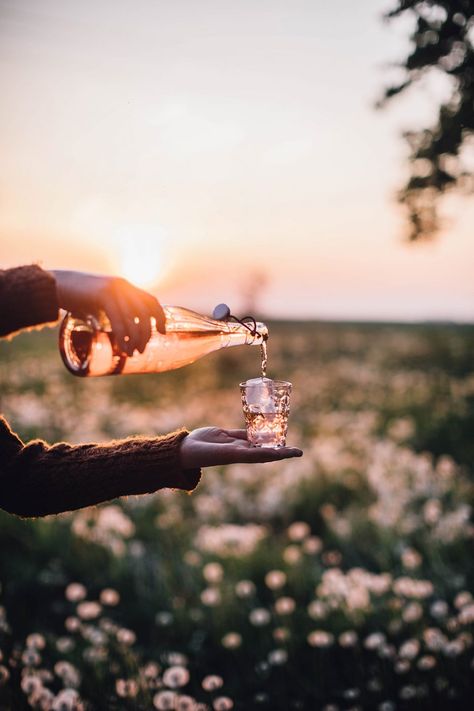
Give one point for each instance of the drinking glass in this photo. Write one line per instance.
(266, 406)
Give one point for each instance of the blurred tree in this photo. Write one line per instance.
(251, 289)
(442, 41)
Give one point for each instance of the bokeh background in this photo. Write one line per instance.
(231, 151)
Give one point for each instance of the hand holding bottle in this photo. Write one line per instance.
(212, 446)
(128, 308)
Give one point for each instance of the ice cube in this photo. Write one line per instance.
(259, 394)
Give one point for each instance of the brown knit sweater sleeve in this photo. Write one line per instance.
(37, 479)
(27, 298)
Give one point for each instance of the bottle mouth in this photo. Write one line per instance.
(261, 330)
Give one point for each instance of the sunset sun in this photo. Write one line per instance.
(139, 253)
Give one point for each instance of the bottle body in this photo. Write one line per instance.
(88, 346)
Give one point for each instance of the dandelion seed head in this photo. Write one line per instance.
(30, 684)
(409, 649)
(407, 692)
(351, 694)
(320, 638)
(126, 636)
(212, 682)
(426, 662)
(165, 700)
(439, 609)
(259, 616)
(151, 670)
(434, 639)
(185, 703)
(275, 579)
(432, 511)
(277, 657)
(285, 605)
(231, 640)
(31, 657)
(463, 598)
(222, 703)
(386, 706)
(213, 572)
(126, 688)
(88, 610)
(109, 597)
(411, 587)
(348, 638)
(402, 666)
(69, 674)
(72, 624)
(175, 677)
(164, 618)
(312, 545)
(292, 554)
(466, 615)
(65, 644)
(412, 612)
(374, 640)
(245, 588)
(281, 634)
(95, 655)
(211, 597)
(453, 648)
(298, 530)
(36, 641)
(75, 592)
(176, 659)
(411, 559)
(317, 610)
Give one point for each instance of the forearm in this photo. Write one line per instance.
(37, 480)
(28, 297)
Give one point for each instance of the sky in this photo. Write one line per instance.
(202, 148)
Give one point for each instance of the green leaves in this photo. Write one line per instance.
(442, 42)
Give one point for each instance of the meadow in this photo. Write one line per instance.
(342, 580)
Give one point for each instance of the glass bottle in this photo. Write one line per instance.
(88, 346)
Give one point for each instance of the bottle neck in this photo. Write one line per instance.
(240, 334)
(179, 320)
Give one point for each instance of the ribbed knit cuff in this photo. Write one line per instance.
(148, 464)
(170, 460)
(29, 298)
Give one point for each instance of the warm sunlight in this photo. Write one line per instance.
(139, 253)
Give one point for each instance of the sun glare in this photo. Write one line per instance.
(139, 253)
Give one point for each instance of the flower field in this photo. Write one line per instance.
(341, 580)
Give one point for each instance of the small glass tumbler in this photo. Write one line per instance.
(266, 406)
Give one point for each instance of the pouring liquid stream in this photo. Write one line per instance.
(264, 358)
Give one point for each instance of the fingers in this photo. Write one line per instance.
(237, 434)
(138, 321)
(119, 326)
(154, 309)
(130, 311)
(272, 454)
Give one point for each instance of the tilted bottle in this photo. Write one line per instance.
(88, 346)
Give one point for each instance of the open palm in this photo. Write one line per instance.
(211, 446)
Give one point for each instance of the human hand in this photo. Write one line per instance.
(211, 446)
(128, 308)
